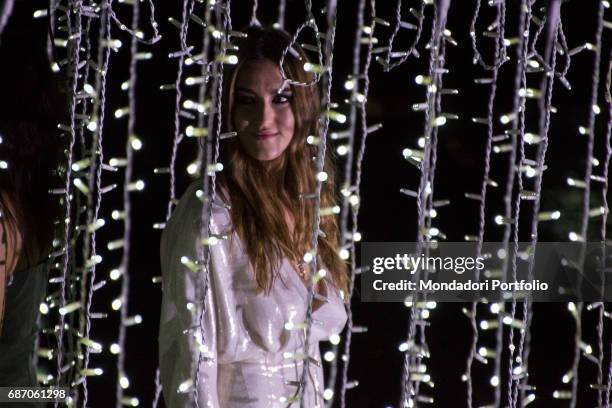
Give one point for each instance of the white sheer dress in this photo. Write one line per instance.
(249, 352)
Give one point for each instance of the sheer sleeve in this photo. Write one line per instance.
(180, 337)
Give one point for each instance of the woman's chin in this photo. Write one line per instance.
(265, 156)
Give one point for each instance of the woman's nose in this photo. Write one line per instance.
(265, 116)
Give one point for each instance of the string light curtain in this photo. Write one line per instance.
(99, 179)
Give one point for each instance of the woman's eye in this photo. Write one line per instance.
(282, 98)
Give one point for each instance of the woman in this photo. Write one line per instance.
(252, 339)
(29, 149)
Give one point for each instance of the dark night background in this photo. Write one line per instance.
(386, 215)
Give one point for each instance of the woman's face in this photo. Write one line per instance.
(263, 119)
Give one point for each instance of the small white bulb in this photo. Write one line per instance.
(494, 381)
(44, 308)
(334, 339)
(342, 150)
(115, 274)
(89, 89)
(329, 356)
(192, 168)
(344, 254)
(136, 143)
(116, 305)
(440, 120)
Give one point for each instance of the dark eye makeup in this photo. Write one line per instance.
(243, 97)
(283, 98)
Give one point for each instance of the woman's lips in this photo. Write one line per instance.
(265, 136)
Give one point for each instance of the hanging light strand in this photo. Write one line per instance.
(326, 84)
(584, 225)
(254, 20)
(354, 209)
(95, 172)
(188, 6)
(498, 52)
(500, 49)
(603, 234)
(436, 70)
(544, 107)
(281, 13)
(134, 31)
(5, 14)
(75, 8)
(127, 209)
(388, 65)
(209, 186)
(311, 23)
(518, 128)
(202, 89)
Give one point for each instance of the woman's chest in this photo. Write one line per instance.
(271, 319)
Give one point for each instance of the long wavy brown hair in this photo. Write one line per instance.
(262, 192)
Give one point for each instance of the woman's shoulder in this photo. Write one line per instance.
(193, 199)
(190, 206)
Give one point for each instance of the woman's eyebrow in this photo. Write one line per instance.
(241, 89)
(272, 91)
